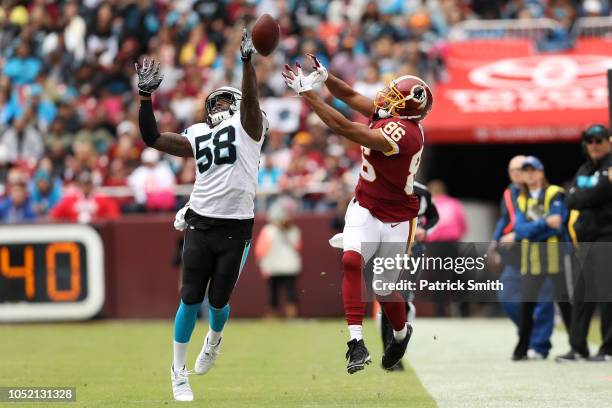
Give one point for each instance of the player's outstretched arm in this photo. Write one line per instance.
(358, 133)
(342, 90)
(250, 112)
(149, 79)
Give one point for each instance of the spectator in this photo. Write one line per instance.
(591, 195)
(117, 177)
(44, 109)
(93, 133)
(17, 207)
(153, 183)
(74, 33)
(560, 37)
(23, 67)
(23, 140)
(269, 174)
(198, 49)
(45, 192)
(84, 205)
(103, 42)
(371, 83)
(277, 251)
(58, 138)
(451, 226)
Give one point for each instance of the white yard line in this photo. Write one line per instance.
(466, 363)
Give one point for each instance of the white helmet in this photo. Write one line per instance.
(233, 94)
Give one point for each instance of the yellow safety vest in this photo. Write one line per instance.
(539, 257)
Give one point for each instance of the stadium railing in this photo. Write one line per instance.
(534, 29)
(479, 29)
(593, 27)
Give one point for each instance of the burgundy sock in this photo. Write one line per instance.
(395, 309)
(353, 288)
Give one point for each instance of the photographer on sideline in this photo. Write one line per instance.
(591, 194)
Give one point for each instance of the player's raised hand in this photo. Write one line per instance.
(319, 69)
(149, 77)
(297, 81)
(247, 49)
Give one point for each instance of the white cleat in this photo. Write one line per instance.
(534, 355)
(207, 357)
(180, 385)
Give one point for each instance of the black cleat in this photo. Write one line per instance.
(357, 356)
(570, 357)
(395, 351)
(600, 357)
(398, 367)
(517, 356)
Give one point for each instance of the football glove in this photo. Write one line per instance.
(298, 81)
(149, 77)
(246, 46)
(319, 69)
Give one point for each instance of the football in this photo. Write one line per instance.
(265, 34)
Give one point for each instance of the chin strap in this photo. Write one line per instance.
(383, 114)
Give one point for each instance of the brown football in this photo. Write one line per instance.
(265, 34)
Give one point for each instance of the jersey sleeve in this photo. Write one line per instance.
(265, 123)
(401, 135)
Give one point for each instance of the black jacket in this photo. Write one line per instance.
(427, 208)
(591, 194)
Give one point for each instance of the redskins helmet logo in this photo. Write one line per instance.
(419, 95)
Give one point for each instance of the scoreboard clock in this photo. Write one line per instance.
(50, 272)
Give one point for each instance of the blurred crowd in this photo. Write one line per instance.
(68, 111)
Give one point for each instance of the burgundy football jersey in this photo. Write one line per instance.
(386, 180)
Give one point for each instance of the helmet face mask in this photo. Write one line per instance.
(233, 95)
(387, 99)
(406, 97)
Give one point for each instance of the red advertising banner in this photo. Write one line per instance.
(504, 91)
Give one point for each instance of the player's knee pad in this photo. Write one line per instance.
(352, 262)
(191, 295)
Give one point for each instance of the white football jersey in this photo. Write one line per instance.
(227, 163)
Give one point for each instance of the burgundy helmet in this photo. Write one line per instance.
(406, 97)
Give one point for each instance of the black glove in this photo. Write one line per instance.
(148, 76)
(246, 46)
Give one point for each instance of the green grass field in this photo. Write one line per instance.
(263, 364)
(455, 363)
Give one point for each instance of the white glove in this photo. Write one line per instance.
(179, 220)
(319, 69)
(298, 81)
